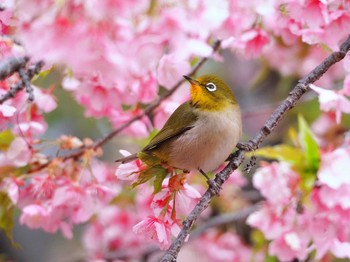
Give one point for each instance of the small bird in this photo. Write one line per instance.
(202, 132)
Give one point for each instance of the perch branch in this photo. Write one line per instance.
(238, 157)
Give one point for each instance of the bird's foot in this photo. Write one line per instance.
(213, 186)
(249, 146)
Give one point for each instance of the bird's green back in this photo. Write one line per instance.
(179, 122)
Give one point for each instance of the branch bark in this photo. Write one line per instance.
(237, 158)
(12, 65)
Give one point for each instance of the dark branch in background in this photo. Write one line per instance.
(238, 157)
(224, 219)
(150, 108)
(12, 65)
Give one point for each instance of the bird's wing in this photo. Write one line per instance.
(178, 123)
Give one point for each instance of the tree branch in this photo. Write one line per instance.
(238, 157)
(148, 109)
(8, 67)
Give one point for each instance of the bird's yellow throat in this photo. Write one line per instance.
(205, 100)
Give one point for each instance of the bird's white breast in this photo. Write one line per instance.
(209, 142)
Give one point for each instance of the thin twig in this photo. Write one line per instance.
(150, 108)
(237, 159)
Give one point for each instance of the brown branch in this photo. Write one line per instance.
(26, 75)
(237, 159)
(11, 65)
(146, 111)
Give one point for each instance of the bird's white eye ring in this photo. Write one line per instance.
(211, 87)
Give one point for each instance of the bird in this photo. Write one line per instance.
(202, 132)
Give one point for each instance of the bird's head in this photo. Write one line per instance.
(210, 93)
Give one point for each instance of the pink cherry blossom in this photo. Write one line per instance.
(171, 69)
(276, 182)
(43, 187)
(11, 187)
(327, 224)
(323, 124)
(155, 229)
(346, 86)
(333, 198)
(34, 216)
(215, 246)
(272, 220)
(114, 55)
(113, 228)
(253, 42)
(341, 249)
(44, 101)
(128, 171)
(331, 100)
(138, 128)
(237, 179)
(290, 245)
(175, 189)
(7, 111)
(18, 154)
(334, 168)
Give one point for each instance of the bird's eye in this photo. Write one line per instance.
(211, 87)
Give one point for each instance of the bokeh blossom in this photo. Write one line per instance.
(116, 57)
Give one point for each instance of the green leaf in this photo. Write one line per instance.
(158, 181)
(281, 152)
(258, 239)
(149, 173)
(269, 258)
(308, 143)
(6, 138)
(308, 180)
(43, 74)
(7, 216)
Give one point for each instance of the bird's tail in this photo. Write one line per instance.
(127, 159)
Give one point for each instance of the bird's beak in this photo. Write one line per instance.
(191, 80)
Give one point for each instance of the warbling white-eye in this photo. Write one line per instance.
(202, 132)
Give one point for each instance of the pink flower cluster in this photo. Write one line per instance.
(113, 230)
(176, 198)
(224, 247)
(298, 221)
(16, 112)
(55, 200)
(334, 101)
(119, 56)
